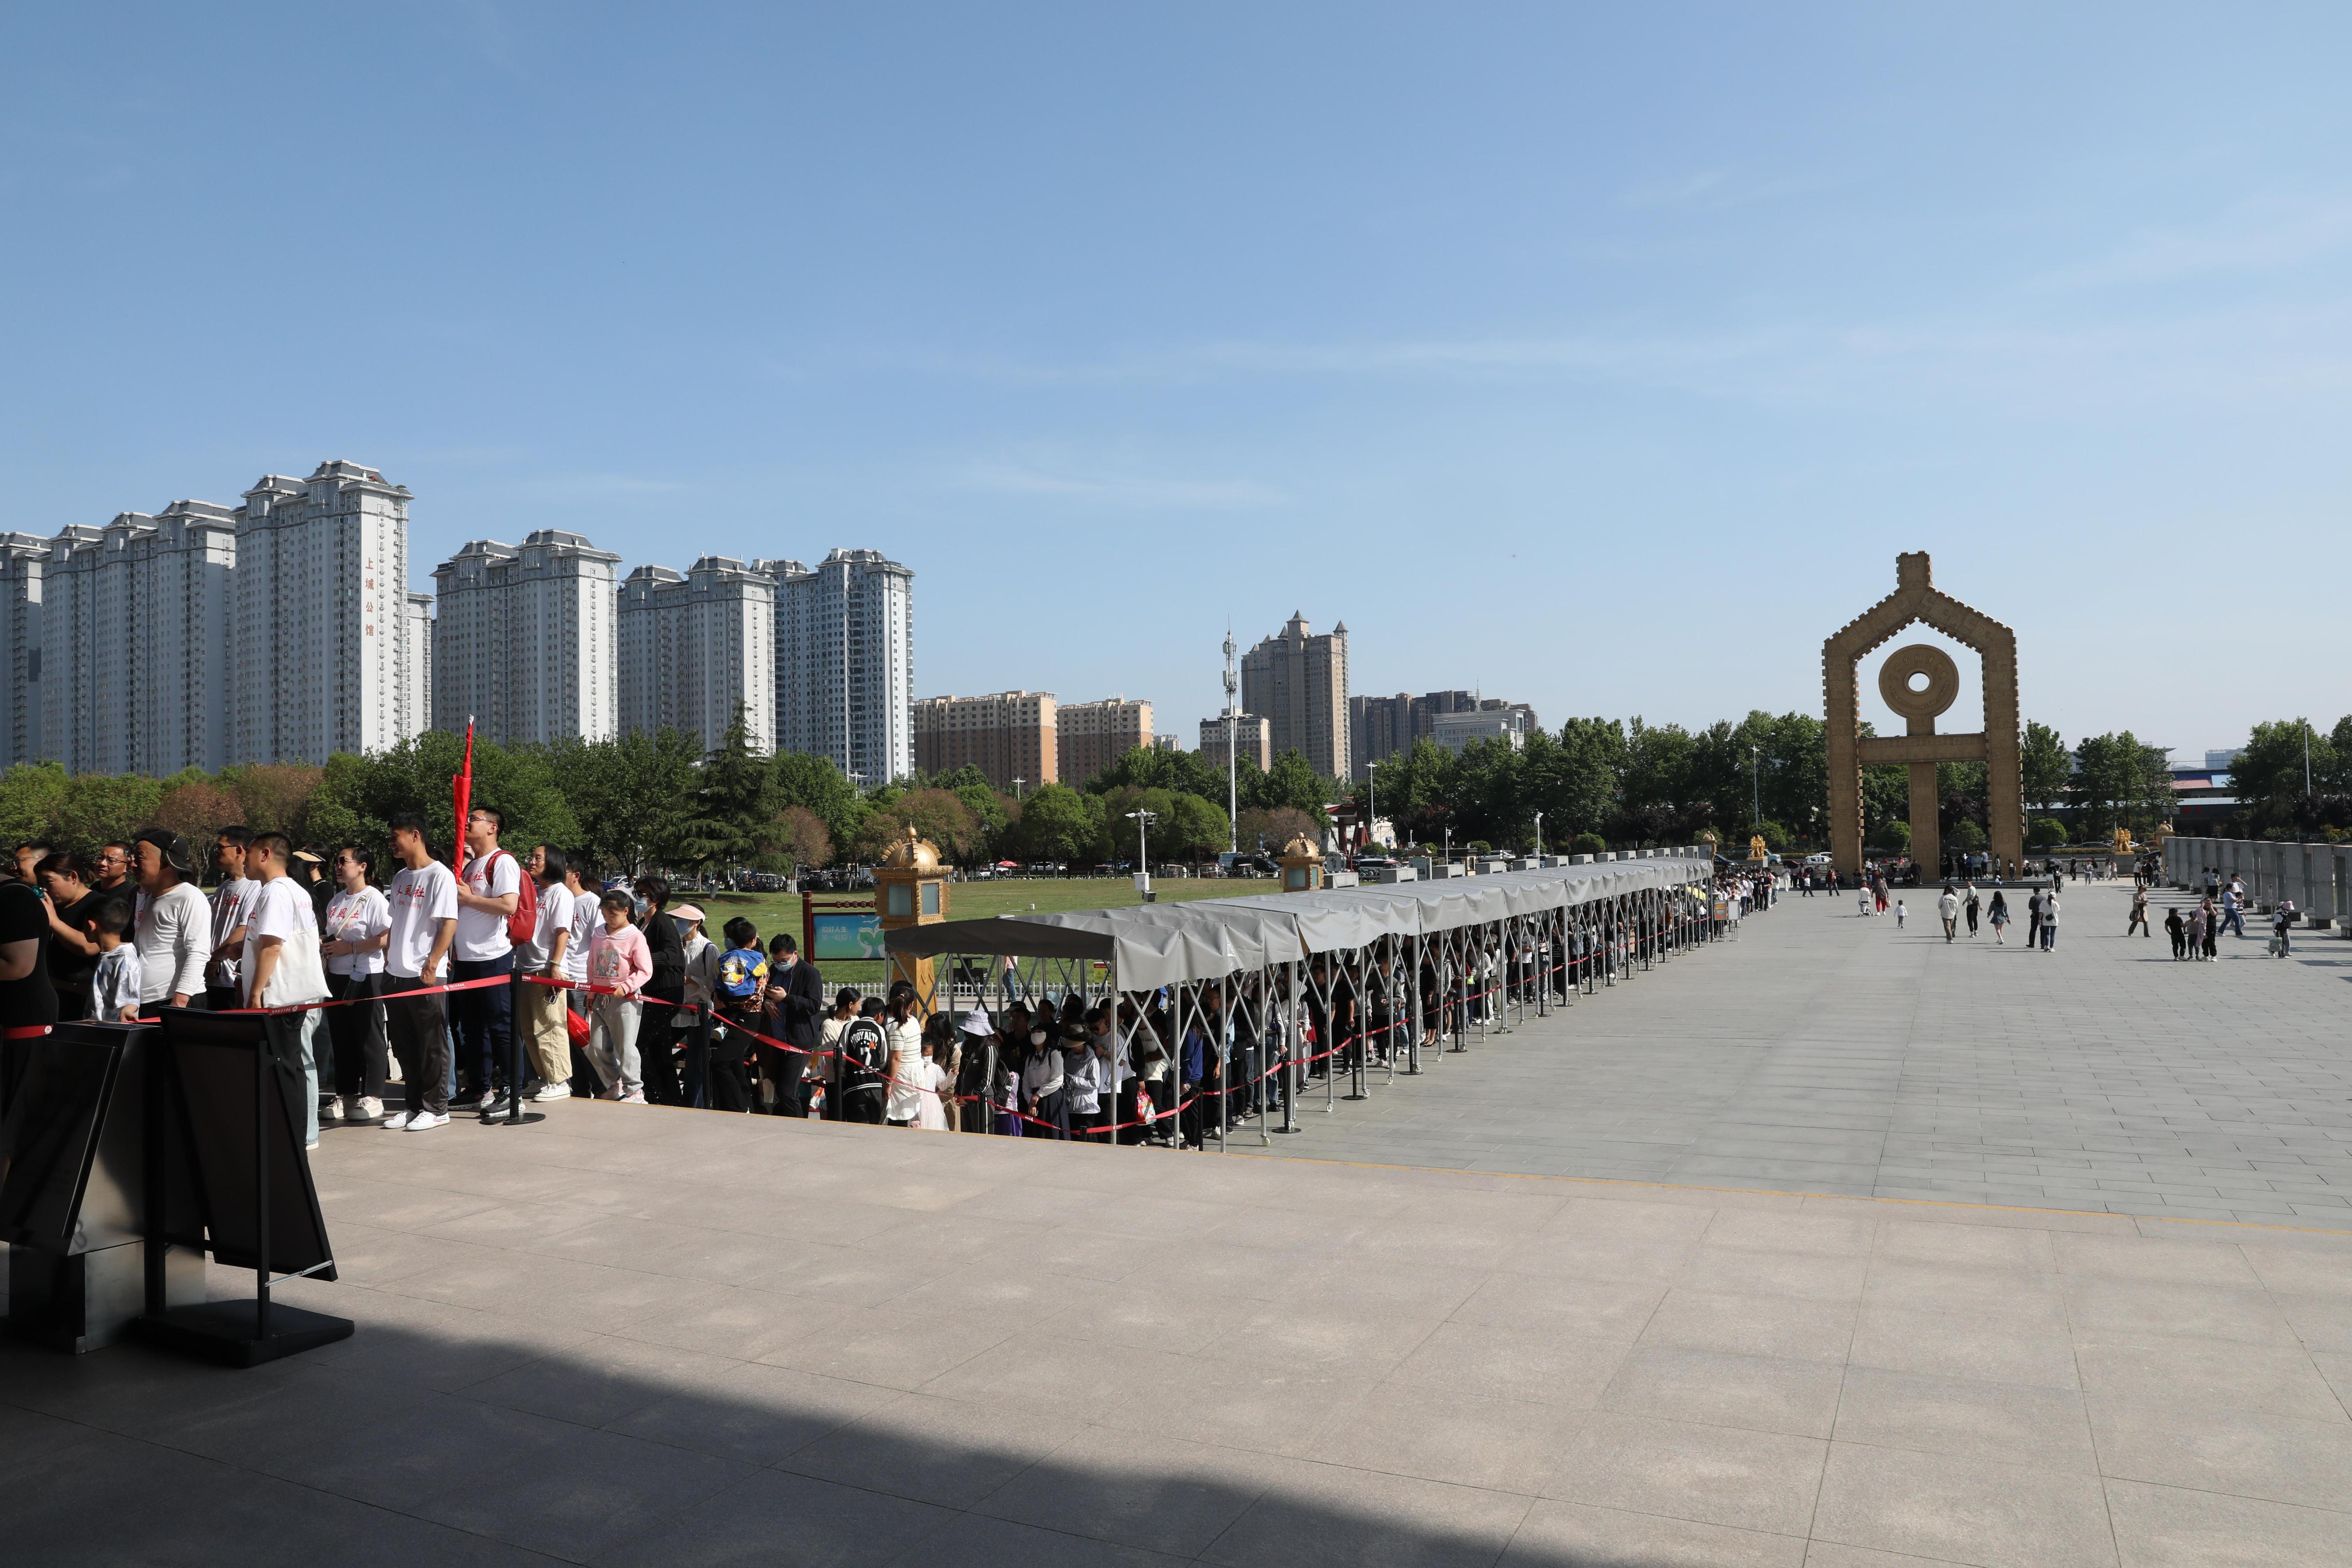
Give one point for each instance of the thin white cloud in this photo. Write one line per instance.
(2268, 233)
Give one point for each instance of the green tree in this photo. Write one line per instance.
(937, 815)
(629, 794)
(2268, 776)
(1292, 781)
(1058, 823)
(814, 782)
(2049, 767)
(2119, 782)
(732, 808)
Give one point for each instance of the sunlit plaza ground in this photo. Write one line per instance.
(1833, 1246)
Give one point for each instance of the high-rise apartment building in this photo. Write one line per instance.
(1381, 727)
(1252, 738)
(1299, 683)
(319, 619)
(1090, 738)
(697, 648)
(24, 561)
(526, 639)
(1009, 736)
(418, 649)
(135, 640)
(200, 637)
(845, 662)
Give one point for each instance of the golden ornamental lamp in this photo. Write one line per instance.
(910, 888)
(1302, 866)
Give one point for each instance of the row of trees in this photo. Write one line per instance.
(640, 800)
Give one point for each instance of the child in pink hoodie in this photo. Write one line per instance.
(619, 965)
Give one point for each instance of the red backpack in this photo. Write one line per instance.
(523, 925)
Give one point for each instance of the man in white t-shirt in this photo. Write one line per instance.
(232, 903)
(487, 894)
(280, 965)
(541, 1008)
(423, 898)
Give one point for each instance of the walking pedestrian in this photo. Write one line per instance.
(1998, 913)
(2049, 921)
(1974, 907)
(1947, 909)
(2282, 923)
(2139, 914)
(2177, 930)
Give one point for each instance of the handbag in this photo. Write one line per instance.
(298, 974)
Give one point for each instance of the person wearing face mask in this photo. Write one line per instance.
(1086, 1064)
(1042, 1083)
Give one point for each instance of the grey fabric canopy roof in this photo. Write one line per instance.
(1161, 944)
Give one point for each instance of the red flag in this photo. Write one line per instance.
(464, 783)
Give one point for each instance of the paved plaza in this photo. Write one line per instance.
(633, 1335)
(1823, 1052)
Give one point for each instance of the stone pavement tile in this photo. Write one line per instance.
(736, 1322)
(1411, 1283)
(1830, 1554)
(32, 1440)
(1962, 1510)
(72, 1511)
(2322, 1322)
(1336, 1517)
(1717, 1475)
(1759, 1393)
(1326, 1331)
(2276, 1457)
(2270, 1380)
(2171, 1526)
(1598, 1308)
(1752, 1325)
(1967, 1418)
(935, 1450)
(774, 1516)
(1827, 1235)
(596, 1491)
(1599, 1257)
(1134, 1488)
(1939, 1245)
(1992, 1294)
(750, 1412)
(601, 1379)
(876, 1345)
(1634, 1214)
(978, 1543)
(2115, 1306)
(2336, 1366)
(1555, 1535)
(1473, 1441)
(2180, 1263)
(1937, 1345)
(1811, 1276)
(2301, 1271)
(1551, 1365)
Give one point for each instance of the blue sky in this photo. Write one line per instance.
(1602, 357)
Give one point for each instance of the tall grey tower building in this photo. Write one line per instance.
(526, 639)
(1299, 683)
(319, 620)
(697, 647)
(845, 662)
(24, 561)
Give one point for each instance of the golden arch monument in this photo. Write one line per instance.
(1920, 748)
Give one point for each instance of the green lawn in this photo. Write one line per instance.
(773, 912)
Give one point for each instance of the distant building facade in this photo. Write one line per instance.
(1382, 727)
(1298, 682)
(1455, 732)
(24, 561)
(1012, 737)
(1252, 738)
(1091, 737)
(845, 662)
(695, 649)
(319, 619)
(526, 640)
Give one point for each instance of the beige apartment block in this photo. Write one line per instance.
(1009, 736)
(1092, 737)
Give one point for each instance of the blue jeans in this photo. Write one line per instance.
(2049, 936)
(2234, 918)
(483, 1020)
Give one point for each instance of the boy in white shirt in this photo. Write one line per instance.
(114, 986)
(280, 967)
(424, 899)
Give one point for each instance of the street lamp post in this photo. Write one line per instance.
(1016, 787)
(1233, 749)
(1539, 835)
(1142, 820)
(1756, 800)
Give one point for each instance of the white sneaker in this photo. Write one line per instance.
(396, 1123)
(554, 1091)
(425, 1122)
(330, 1109)
(610, 1092)
(635, 1097)
(369, 1109)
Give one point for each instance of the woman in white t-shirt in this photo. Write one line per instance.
(357, 929)
(904, 1031)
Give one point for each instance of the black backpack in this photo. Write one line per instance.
(864, 1053)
